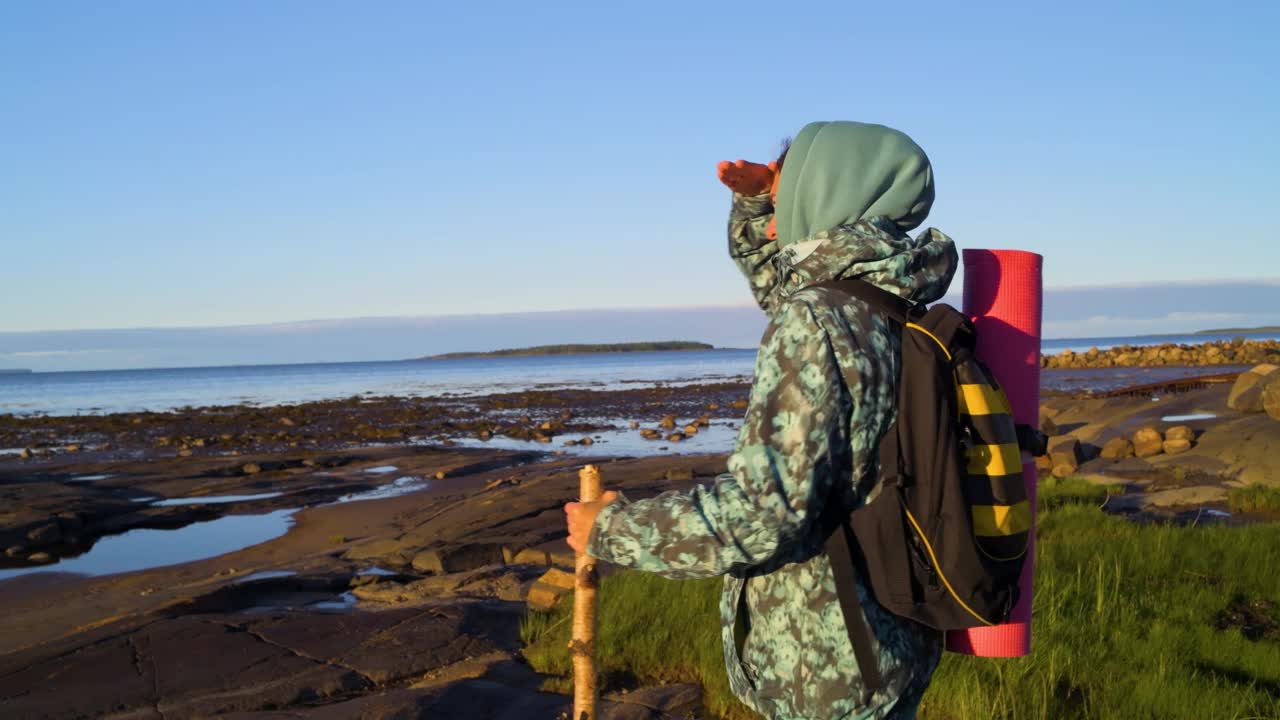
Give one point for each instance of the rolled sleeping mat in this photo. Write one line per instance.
(1003, 295)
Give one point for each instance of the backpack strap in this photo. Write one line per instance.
(899, 309)
(839, 549)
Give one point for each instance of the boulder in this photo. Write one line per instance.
(549, 589)
(1173, 447)
(1271, 397)
(458, 558)
(668, 422)
(1180, 432)
(1118, 449)
(1065, 453)
(1246, 394)
(675, 437)
(691, 429)
(1148, 442)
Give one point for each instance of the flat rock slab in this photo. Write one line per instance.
(212, 664)
(391, 645)
(483, 699)
(1199, 495)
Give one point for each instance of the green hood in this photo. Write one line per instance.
(837, 173)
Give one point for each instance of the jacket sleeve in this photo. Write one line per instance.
(749, 245)
(794, 434)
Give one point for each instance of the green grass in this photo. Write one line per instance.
(1125, 622)
(1254, 498)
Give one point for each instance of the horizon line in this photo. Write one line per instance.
(1266, 281)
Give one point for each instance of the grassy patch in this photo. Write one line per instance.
(1132, 621)
(1054, 493)
(1254, 498)
(652, 630)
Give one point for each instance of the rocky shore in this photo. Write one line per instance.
(409, 546)
(1240, 351)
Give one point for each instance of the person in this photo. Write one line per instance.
(837, 205)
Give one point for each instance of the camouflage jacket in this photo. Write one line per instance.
(823, 395)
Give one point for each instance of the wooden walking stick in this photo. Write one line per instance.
(586, 695)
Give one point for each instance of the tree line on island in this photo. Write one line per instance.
(578, 349)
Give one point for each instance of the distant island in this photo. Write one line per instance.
(578, 349)
(15, 371)
(1265, 329)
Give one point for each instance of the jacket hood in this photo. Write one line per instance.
(837, 173)
(875, 250)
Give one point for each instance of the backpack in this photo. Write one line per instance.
(946, 535)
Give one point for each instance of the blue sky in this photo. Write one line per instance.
(232, 163)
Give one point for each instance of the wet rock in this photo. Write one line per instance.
(668, 422)
(484, 435)
(45, 534)
(1148, 442)
(15, 551)
(691, 429)
(586, 441)
(675, 437)
(184, 452)
(1246, 394)
(650, 434)
(72, 448)
(1118, 449)
(739, 404)
(1174, 447)
(1197, 495)
(440, 475)
(1180, 432)
(713, 406)
(635, 424)
(25, 454)
(40, 557)
(250, 469)
(549, 589)
(459, 558)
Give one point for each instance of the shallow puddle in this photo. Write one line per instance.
(266, 575)
(717, 438)
(1188, 418)
(147, 548)
(381, 469)
(215, 499)
(395, 488)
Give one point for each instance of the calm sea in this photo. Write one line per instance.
(105, 391)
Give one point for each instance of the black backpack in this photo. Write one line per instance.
(946, 535)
